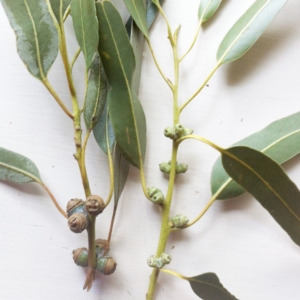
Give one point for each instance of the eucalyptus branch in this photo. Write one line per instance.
(78, 51)
(62, 211)
(201, 139)
(178, 275)
(56, 97)
(201, 87)
(68, 11)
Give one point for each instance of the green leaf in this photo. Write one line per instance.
(86, 28)
(103, 131)
(121, 169)
(125, 110)
(152, 12)
(37, 37)
(207, 8)
(248, 29)
(17, 168)
(280, 140)
(96, 94)
(59, 8)
(137, 10)
(268, 183)
(208, 287)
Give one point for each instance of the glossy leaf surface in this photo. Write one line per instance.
(268, 183)
(125, 110)
(121, 169)
(208, 287)
(96, 94)
(280, 140)
(103, 131)
(207, 8)
(245, 32)
(17, 168)
(59, 8)
(86, 28)
(37, 36)
(137, 10)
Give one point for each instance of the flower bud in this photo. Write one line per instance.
(170, 133)
(155, 195)
(94, 205)
(181, 168)
(80, 257)
(165, 167)
(178, 221)
(159, 262)
(102, 247)
(78, 222)
(106, 265)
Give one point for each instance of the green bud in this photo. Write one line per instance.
(181, 168)
(178, 221)
(170, 133)
(165, 167)
(156, 195)
(159, 262)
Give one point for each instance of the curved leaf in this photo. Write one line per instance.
(86, 28)
(207, 8)
(280, 140)
(137, 10)
(118, 60)
(59, 8)
(17, 168)
(96, 94)
(268, 183)
(37, 37)
(121, 169)
(104, 132)
(208, 287)
(152, 12)
(245, 32)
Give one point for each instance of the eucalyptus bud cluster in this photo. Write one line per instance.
(105, 265)
(155, 195)
(177, 132)
(159, 262)
(165, 167)
(178, 221)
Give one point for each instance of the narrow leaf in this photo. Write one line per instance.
(96, 94)
(280, 140)
(121, 169)
(248, 29)
(137, 10)
(118, 60)
(17, 168)
(268, 183)
(152, 12)
(207, 8)
(86, 28)
(59, 8)
(103, 131)
(208, 287)
(37, 37)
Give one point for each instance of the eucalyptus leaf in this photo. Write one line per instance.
(103, 131)
(37, 36)
(245, 32)
(280, 140)
(137, 10)
(96, 93)
(86, 28)
(268, 183)
(17, 168)
(152, 12)
(59, 8)
(121, 169)
(119, 63)
(207, 8)
(208, 287)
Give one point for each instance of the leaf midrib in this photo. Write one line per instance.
(138, 15)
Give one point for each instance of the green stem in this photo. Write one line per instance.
(165, 228)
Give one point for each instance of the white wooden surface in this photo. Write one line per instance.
(237, 239)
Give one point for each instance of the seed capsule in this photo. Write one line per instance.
(155, 195)
(73, 205)
(159, 262)
(80, 257)
(181, 168)
(178, 221)
(78, 222)
(102, 247)
(165, 167)
(106, 265)
(94, 205)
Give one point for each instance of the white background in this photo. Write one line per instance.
(237, 239)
